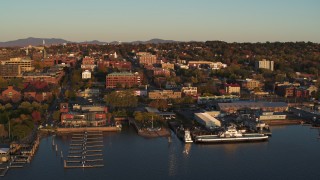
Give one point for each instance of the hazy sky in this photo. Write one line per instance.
(184, 20)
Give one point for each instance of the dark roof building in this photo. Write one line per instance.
(264, 106)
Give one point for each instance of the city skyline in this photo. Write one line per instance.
(245, 21)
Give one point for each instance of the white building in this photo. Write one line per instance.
(86, 74)
(271, 116)
(4, 154)
(264, 64)
(207, 120)
(189, 91)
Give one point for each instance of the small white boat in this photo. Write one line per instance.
(187, 137)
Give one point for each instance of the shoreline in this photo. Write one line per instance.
(164, 132)
(282, 122)
(81, 129)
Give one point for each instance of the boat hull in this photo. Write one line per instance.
(216, 139)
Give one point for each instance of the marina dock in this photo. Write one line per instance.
(85, 150)
(22, 154)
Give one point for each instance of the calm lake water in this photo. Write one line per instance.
(291, 153)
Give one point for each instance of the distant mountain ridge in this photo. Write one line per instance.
(32, 41)
(49, 41)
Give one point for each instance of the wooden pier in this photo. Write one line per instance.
(85, 150)
(22, 154)
(3, 171)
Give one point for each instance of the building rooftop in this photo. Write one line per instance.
(252, 104)
(121, 74)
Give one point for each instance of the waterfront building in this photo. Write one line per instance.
(77, 119)
(207, 120)
(233, 107)
(4, 154)
(164, 115)
(271, 116)
(264, 64)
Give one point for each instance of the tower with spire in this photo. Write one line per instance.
(44, 55)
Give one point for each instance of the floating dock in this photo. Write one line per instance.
(85, 150)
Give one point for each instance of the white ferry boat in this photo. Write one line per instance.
(231, 135)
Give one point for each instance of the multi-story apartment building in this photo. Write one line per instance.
(10, 70)
(24, 64)
(123, 79)
(146, 58)
(264, 64)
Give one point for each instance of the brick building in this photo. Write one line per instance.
(11, 93)
(123, 79)
(161, 72)
(285, 91)
(51, 77)
(88, 60)
(122, 65)
(38, 91)
(147, 59)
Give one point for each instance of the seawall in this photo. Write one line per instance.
(81, 129)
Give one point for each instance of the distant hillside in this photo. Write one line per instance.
(153, 41)
(49, 41)
(93, 42)
(32, 41)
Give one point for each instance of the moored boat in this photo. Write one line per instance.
(187, 137)
(229, 136)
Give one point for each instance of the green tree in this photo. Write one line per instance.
(8, 106)
(3, 83)
(56, 115)
(121, 99)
